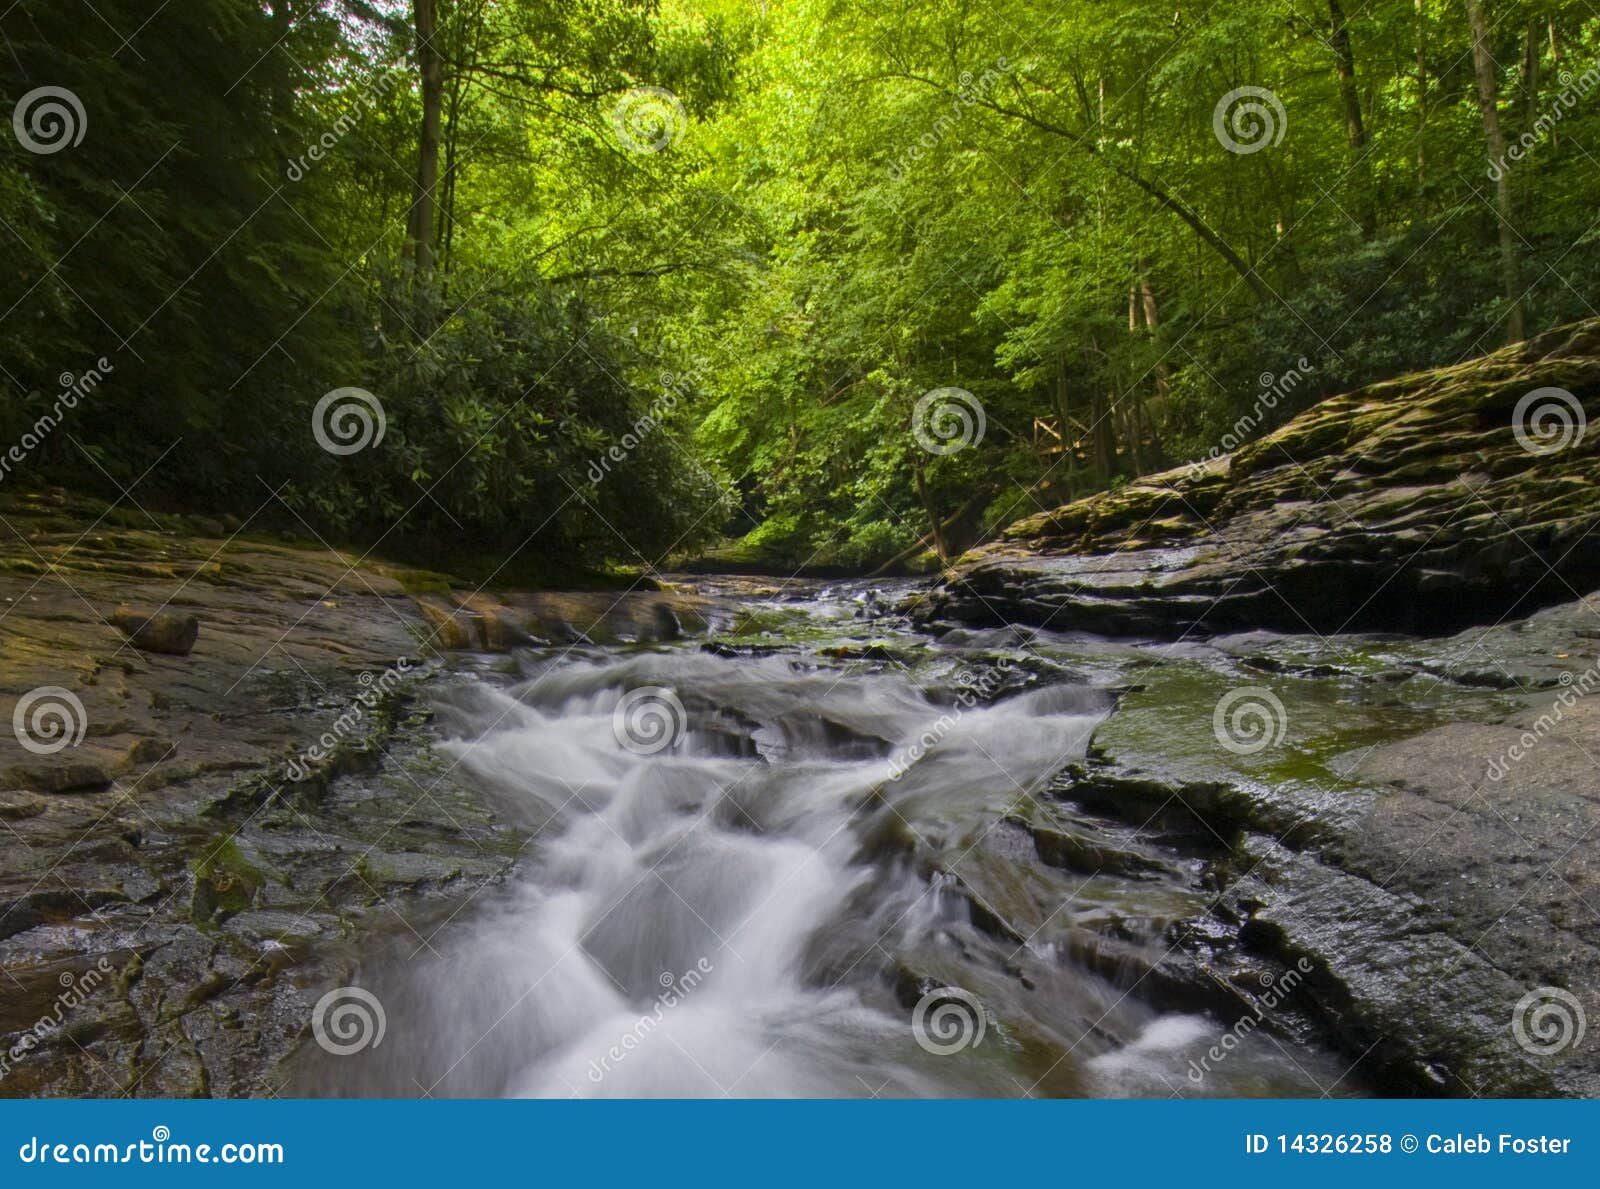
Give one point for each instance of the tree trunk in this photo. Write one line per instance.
(1422, 98)
(1489, 100)
(1144, 441)
(1163, 380)
(935, 529)
(1355, 130)
(1102, 436)
(1530, 75)
(430, 66)
(1069, 440)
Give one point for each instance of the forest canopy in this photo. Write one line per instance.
(840, 282)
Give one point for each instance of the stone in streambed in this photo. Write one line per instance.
(170, 632)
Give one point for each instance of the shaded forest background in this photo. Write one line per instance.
(744, 239)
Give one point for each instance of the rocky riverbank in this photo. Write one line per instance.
(193, 839)
(1423, 504)
(1417, 818)
(1398, 830)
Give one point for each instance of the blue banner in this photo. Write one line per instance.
(811, 1143)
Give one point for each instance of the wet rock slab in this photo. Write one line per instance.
(153, 823)
(1424, 836)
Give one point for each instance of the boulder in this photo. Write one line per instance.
(1427, 503)
(170, 632)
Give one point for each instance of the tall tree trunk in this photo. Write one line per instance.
(935, 528)
(430, 66)
(1152, 320)
(1489, 100)
(1422, 98)
(1069, 439)
(1355, 130)
(1530, 75)
(1103, 439)
(1144, 441)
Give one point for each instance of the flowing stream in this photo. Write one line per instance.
(793, 856)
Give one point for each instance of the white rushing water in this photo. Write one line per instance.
(746, 872)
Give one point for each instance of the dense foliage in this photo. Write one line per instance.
(507, 220)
